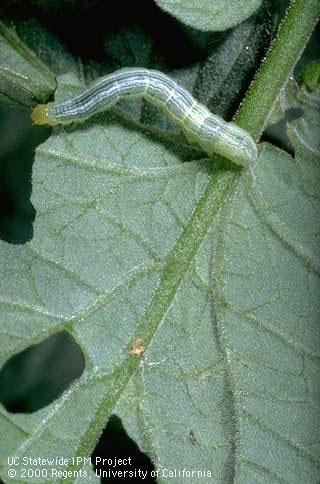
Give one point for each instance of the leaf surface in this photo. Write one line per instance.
(209, 15)
(213, 274)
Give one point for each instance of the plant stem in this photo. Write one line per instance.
(293, 34)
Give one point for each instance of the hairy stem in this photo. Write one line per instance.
(293, 34)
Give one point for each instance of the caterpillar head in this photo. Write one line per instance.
(39, 114)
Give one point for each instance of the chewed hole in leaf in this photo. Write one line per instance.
(277, 133)
(114, 446)
(35, 377)
(18, 142)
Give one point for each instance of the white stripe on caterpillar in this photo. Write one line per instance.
(211, 132)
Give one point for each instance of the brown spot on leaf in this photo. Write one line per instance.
(137, 348)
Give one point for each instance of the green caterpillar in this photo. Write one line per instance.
(211, 132)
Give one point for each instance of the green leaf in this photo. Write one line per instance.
(225, 74)
(286, 99)
(213, 273)
(24, 79)
(210, 15)
(278, 308)
(311, 75)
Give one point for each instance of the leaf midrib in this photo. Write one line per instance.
(219, 189)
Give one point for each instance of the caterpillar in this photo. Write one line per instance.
(200, 126)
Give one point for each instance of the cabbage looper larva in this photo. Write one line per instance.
(211, 132)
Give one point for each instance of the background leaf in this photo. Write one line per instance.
(24, 79)
(232, 60)
(210, 15)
